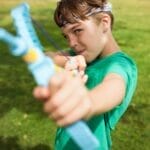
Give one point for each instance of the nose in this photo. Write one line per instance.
(72, 41)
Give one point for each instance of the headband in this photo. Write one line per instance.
(107, 7)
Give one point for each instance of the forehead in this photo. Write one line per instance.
(71, 26)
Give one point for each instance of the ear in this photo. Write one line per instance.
(106, 22)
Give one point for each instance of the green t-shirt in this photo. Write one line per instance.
(102, 124)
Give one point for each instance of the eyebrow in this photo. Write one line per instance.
(72, 28)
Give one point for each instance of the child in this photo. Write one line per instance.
(112, 75)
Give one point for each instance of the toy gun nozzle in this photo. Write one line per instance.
(16, 44)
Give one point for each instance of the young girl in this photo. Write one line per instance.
(112, 75)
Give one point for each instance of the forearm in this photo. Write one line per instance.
(107, 95)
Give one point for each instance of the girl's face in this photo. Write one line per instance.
(86, 38)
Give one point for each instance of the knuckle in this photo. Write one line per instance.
(54, 104)
(60, 113)
(80, 57)
(67, 66)
(64, 121)
(67, 120)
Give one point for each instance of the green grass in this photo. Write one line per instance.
(24, 126)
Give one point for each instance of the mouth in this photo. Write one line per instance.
(81, 52)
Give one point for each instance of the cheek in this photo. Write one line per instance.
(94, 49)
(91, 40)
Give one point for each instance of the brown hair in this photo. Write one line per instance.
(68, 11)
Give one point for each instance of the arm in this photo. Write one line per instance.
(67, 99)
(63, 60)
(70, 63)
(108, 94)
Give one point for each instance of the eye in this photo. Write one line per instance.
(65, 36)
(76, 31)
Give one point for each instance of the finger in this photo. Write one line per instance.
(81, 111)
(63, 92)
(85, 78)
(68, 105)
(72, 64)
(41, 93)
(81, 73)
(81, 62)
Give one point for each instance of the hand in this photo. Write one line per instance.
(77, 65)
(66, 100)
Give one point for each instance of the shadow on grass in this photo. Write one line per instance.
(11, 143)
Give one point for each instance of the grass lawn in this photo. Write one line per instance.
(23, 125)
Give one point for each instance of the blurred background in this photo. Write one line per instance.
(24, 126)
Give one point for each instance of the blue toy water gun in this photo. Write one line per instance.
(26, 44)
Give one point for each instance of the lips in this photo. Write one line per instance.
(80, 52)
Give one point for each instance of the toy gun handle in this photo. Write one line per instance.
(42, 68)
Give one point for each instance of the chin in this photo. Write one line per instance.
(88, 60)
